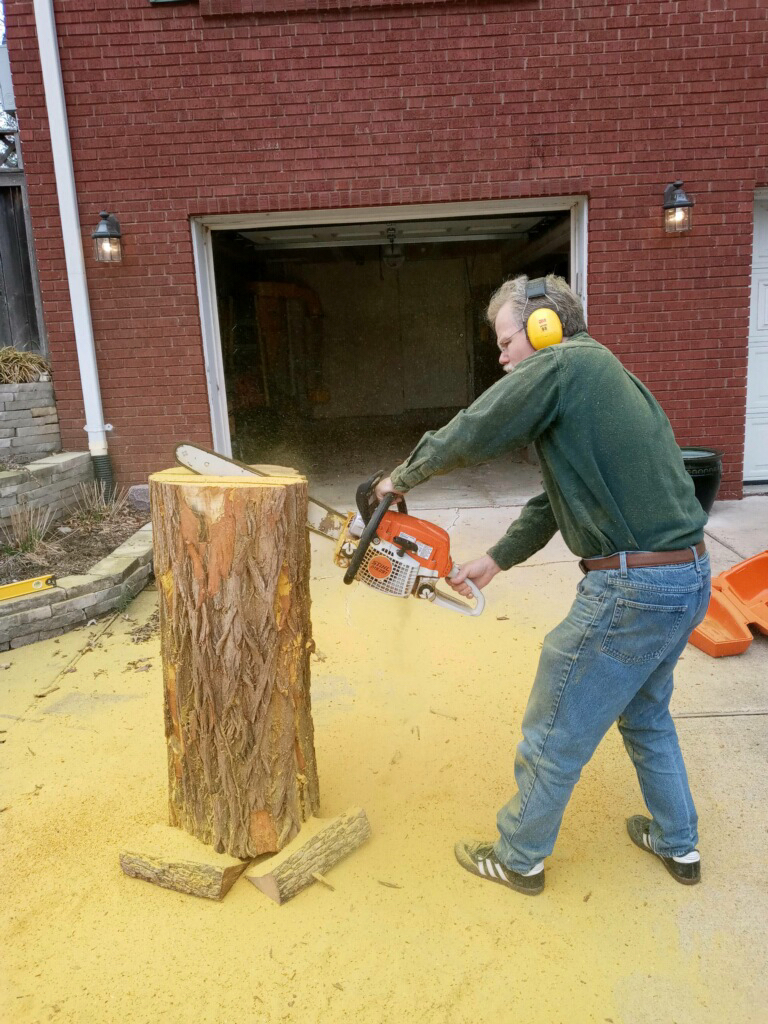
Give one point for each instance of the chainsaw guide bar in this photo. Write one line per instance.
(321, 518)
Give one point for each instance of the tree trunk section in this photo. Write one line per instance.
(307, 858)
(232, 567)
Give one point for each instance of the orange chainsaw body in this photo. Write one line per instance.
(432, 543)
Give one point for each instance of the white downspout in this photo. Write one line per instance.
(70, 226)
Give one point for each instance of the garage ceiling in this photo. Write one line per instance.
(525, 228)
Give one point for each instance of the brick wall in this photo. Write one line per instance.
(175, 112)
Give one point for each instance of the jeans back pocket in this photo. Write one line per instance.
(641, 632)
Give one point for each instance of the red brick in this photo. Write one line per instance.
(178, 111)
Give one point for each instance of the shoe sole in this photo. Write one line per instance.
(469, 865)
(664, 860)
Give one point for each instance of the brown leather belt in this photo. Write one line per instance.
(643, 559)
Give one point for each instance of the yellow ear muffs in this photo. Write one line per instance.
(544, 328)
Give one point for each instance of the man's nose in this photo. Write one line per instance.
(504, 358)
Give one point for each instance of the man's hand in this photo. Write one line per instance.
(385, 487)
(481, 571)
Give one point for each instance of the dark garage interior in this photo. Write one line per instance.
(342, 344)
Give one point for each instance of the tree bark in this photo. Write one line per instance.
(232, 567)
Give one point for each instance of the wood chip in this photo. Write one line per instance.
(168, 857)
(44, 693)
(442, 714)
(320, 844)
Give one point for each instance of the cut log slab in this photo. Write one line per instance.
(232, 566)
(169, 857)
(320, 844)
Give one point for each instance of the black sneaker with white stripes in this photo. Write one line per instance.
(685, 869)
(480, 860)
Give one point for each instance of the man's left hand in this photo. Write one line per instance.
(385, 487)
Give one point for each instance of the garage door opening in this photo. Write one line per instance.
(341, 344)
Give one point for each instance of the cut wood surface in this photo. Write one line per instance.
(320, 844)
(168, 857)
(232, 567)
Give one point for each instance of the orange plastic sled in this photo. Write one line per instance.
(747, 582)
(739, 598)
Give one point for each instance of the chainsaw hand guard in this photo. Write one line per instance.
(371, 514)
(368, 533)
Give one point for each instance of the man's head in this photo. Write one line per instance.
(509, 310)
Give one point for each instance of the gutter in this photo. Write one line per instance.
(64, 173)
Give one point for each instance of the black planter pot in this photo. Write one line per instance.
(705, 466)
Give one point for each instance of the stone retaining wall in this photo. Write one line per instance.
(110, 585)
(53, 482)
(29, 423)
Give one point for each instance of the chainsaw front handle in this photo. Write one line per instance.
(454, 604)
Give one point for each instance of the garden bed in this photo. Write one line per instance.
(71, 549)
(100, 556)
(110, 585)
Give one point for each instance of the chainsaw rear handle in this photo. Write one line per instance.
(454, 604)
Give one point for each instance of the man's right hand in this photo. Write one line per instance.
(480, 570)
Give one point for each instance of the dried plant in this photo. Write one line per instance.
(96, 506)
(28, 530)
(21, 367)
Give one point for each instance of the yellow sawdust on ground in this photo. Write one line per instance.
(416, 716)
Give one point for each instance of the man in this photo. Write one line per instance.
(616, 488)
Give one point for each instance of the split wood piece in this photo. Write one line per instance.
(320, 844)
(232, 567)
(168, 857)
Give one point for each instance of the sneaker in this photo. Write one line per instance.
(685, 869)
(479, 859)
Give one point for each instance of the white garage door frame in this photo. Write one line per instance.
(203, 227)
(756, 427)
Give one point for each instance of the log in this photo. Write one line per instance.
(168, 857)
(320, 844)
(232, 568)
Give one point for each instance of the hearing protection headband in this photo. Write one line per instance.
(543, 326)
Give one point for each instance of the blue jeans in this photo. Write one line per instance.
(610, 660)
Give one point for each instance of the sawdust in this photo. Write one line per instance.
(404, 935)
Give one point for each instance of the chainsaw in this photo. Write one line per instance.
(391, 551)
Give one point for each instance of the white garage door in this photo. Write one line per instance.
(756, 440)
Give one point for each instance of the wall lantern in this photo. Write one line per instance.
(107, 247)
(678, 212)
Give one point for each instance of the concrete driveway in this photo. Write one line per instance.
(417, 713)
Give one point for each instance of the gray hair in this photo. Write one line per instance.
(559, 297)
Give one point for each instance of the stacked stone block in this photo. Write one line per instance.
(52, 482)
(29, 423)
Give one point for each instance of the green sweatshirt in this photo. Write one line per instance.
(613, 475)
